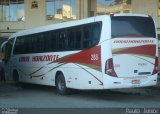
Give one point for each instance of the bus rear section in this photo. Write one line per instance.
(134, 46)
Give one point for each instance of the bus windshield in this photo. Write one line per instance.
(132, 26)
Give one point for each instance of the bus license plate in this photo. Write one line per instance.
(135, 81)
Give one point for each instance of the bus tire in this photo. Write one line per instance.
(61, 85)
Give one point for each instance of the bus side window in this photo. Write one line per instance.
(78, 38)
(34, 44)
(47, 42)
(62, 40)
(95, 33)
(28, 44)
(71, 38)
(22, 46)
(53, 41)
(87, 36)
(18, 49)
(39, 45)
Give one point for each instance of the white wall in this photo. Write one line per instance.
(36, 16)
(149, 7)
(12, 25)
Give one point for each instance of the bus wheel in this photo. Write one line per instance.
(61, 85)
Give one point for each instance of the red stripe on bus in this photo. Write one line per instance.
(91, 56)
(142, 50)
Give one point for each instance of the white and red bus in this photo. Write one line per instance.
(102, 52)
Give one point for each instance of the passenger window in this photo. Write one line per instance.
(47, 42)
(63, 41)
(53, 41)
(71, 39)
(78, 37)
(28, 44)
(87, 36)
(40, 43)
(34, 46)
(96, 30)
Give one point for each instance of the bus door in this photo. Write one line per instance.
(7, 61)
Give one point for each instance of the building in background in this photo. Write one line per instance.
(16, 15)
(113, 6)
(64, 13)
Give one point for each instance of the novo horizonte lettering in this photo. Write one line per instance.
(42, 58)
(133, 41)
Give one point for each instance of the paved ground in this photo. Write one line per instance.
(47, 97)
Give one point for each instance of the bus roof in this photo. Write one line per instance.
(54, 26)
(66, 24)
(130, 14)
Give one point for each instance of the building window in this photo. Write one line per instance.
(113, 6)
(12, 10)
(61, 9)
